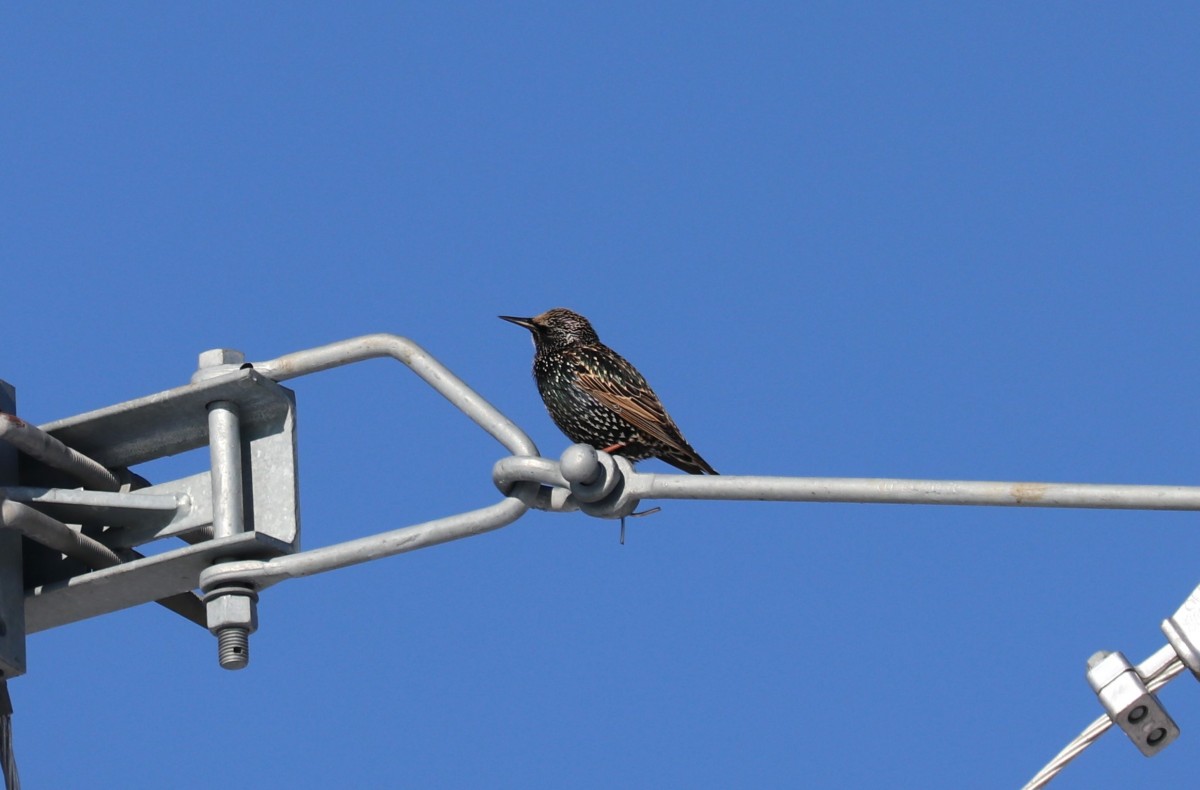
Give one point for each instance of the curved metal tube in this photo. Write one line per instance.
(510, 471)
(517, 499)
(553, 492)
(434, 373)
(261, 574)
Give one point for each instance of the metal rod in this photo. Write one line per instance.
(225, 449)
(913, 492)
(39, 527)
(353, 552)
(398, 541)
(416, 358)
(36, 443)
(73, 497)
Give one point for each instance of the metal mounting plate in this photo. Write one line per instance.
(137, 582)
(170, 422)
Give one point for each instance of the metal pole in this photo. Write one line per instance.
(914, 492)
(231, 611)
(591, 475)
(225, 449)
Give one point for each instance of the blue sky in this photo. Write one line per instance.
(940, 240)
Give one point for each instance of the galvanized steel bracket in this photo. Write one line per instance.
(141, 430)
(240, 519)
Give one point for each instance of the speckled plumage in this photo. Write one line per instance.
(594, 396)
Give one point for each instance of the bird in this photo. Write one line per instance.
(596, 397)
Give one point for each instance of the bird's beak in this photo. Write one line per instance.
(525, 322)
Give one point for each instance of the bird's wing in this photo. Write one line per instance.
(637, 405)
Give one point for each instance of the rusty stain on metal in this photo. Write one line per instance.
(1029, 492)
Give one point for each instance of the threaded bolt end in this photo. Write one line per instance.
(233, 647)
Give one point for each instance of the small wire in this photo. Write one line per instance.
(1072, 750)
(1157, 671)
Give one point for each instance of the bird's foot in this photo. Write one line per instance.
(639, 514)
(612, 448)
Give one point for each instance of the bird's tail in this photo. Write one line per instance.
(691, 463)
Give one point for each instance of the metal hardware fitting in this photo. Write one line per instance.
(1129, 703)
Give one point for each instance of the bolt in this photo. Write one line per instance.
(232, 617)
(233, 647)
(1097, 657)
(217, 362)
(220, 356)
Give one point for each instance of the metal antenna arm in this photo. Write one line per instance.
(582, 464)
(262, 574)
(434, 373)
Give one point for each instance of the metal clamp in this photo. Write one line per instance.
(1129, 704)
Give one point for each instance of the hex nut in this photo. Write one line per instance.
(232, 610)
(220, 356)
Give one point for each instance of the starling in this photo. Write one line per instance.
(595, 397)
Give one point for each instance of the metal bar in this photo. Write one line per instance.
(36, 443)
(164, 504)
(39, 527)
(158, 577)
(913, 492)
(173, 421)
(416, 358)
(137, 517)
(583, 471)
(225, 449)
(185, 604)
(353, 552)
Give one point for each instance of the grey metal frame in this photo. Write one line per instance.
(12, 593)
(74, 493)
